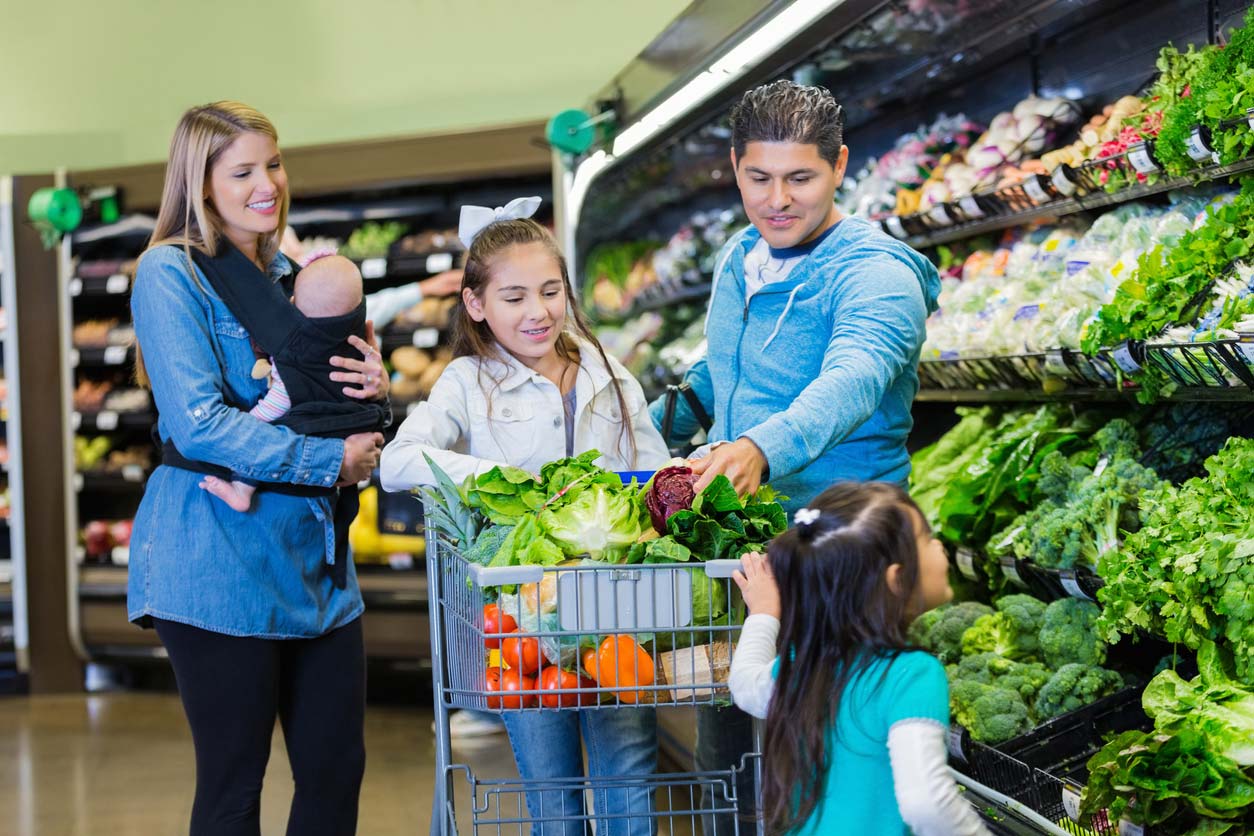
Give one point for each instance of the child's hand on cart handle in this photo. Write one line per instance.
(757, 585)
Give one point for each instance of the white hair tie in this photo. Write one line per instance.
(475, 219)
(806, 516)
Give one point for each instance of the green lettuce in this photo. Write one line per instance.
(1212, 703)
(600, 522)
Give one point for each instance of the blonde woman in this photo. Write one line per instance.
(260, 618)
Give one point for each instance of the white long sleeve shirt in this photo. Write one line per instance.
(471, 422)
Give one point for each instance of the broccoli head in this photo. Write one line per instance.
(1118, 440)
(1074, 686)
(991, 714)
(1024, 678)
(1058, 476)
(1013, 631)
(1068, 634)
(939, 631)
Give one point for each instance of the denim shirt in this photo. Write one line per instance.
(193, 560)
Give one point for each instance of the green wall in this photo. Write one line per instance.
(92, 84)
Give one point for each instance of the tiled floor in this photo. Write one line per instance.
(121, 765)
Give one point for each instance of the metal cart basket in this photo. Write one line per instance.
(638, 636)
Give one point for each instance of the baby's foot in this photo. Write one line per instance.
(234, 494)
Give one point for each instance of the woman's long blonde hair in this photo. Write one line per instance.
(185, 219)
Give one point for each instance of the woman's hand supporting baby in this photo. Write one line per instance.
(369, 374)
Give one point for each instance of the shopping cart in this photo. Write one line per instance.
(599, 618)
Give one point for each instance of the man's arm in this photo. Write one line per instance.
(877, 337)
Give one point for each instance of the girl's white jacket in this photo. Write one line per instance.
(486, 412)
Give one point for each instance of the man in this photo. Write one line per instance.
(814, 326)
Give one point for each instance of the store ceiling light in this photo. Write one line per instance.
(731, 66)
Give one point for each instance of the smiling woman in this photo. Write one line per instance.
(259, 610)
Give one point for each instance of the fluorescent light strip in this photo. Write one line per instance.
(776, 31)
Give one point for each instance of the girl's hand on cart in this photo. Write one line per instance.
(757, 585)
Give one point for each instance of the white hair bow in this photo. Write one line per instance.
(806, 516)
(474, 219)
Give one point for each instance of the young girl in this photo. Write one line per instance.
(855, 719)
(531, 384)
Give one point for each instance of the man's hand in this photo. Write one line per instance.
(757, 585)
(741, 462)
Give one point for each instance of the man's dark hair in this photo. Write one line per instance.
(784, 111)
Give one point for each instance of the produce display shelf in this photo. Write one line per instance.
(416, 266)
(1197, 394)
(108, 421)
(658, 297)
(115, 286)
(98, 357)
(1070, 206)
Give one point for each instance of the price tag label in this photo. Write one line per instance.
(106, 420)
(1055, 364)
(1072, 585)
(74, 358)
(1127, 828)
(1010, 568)
(374, 268)
(1061, 178)
(971, 207)
(76, 286)
(118, 283)
(401, 561)
(965, 558)
(132, 473)
(1197, 146)
(1141, 158)
(954, 743)
(439, 262)
(1035, 190)
(939, 215)
(949, 356)
(115, 355)
(894, 227)
(1123, 359)
(1100, 467)
(121, 555)
(1071, 803)
(1249, 117)
(426, 337)
(78, 483)
(1246, 346)
(76, 420)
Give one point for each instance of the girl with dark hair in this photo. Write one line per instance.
(530, 385)
(855, 718)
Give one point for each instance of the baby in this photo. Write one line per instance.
(329, 286)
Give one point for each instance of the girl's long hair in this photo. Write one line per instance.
(185, 219)
(839, 615)
(475, 339)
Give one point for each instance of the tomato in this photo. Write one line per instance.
(492, 685)
(515, 681)
(495, 621)
(554, 678)
(521, 654)
(622, 662)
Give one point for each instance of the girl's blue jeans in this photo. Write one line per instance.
(621, 743)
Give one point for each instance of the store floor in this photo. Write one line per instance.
(121, 764)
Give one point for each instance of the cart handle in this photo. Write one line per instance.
(485, 576)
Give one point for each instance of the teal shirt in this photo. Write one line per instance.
(858, 792)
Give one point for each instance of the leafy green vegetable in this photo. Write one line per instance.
(719, 526)
(1152, 778)
(1013, 631)
(504, 494)
(1212, 704)
(599, 522)
(991, 714)
(1188, 574)
(448, 510)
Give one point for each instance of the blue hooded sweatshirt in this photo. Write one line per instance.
(818, 370)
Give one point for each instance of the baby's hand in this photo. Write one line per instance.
(757, 585)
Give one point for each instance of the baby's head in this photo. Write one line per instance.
(328, 286)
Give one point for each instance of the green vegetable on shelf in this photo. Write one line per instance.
(1013, 631)
(1074, 686)
(939, 631)
(1068, 633)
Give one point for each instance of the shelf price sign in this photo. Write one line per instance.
(971, 207)
(118, 283)
(439, 262)
(1010, 568)
(115, 355)
(106, 420)
(374, 268)
(426, 337)
(1071, 803)
(1071, 583)
(965, 558)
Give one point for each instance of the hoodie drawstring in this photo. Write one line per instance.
(779, 323)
